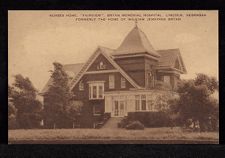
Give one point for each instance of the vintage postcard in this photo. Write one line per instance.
(146, 76)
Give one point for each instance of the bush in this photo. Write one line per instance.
(151, 119)
(123, 123)
(12, 122)
(135, 125)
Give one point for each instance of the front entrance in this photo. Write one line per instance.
(118, 109)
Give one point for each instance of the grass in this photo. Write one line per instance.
(118, 134)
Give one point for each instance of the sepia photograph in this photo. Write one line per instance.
(113, 77)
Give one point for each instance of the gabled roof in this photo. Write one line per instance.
(105, 52)
(169, 57)
(136, 42)
(71, 70)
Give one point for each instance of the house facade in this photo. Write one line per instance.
(133, 77)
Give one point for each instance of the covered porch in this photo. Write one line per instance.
(119, 103)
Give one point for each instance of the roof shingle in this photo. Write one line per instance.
(136, 42)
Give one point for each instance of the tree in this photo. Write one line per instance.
(73, 111)
(58, 99)
(11, 110)
(23, 97)
(195, 101)
(210, 82)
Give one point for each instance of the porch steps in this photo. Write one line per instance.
(112, 123)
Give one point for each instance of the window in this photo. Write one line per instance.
(166, 79)
(123, 82)
(81, 85)
(150, 79)
(150, 105)
(100, 92)
(137, 102)
(96, 90)
(101, 66)
(140, 103)
(143, 102)
(111, 81)
(90, 92)
(96, 110)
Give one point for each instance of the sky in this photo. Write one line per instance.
(36, 39)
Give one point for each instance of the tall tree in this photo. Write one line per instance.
(195, 100)
(210, 82)
(23, 97)
(58, 97)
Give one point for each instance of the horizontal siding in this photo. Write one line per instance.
(135, 68)
(99, 77)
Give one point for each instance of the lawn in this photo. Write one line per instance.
(110, 134)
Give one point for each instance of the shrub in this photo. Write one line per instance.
(135, 125)
(123, 123)
(12, 122)
(151, 119)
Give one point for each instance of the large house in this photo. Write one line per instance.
(126, 79)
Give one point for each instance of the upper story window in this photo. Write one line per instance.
(81, 85)
(111, 81)
(101, 66)
(96, 90)
(123, 82)
(150, 79)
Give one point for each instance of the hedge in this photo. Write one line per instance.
(136, 125)
(151, 119)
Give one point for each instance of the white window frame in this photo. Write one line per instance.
(97, 84)
(111, 81)
(123, 82)
(101, 66)
(139, 98)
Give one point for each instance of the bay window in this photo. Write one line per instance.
(96, 90)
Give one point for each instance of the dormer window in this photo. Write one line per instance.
(101, 66)
(81, 85)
